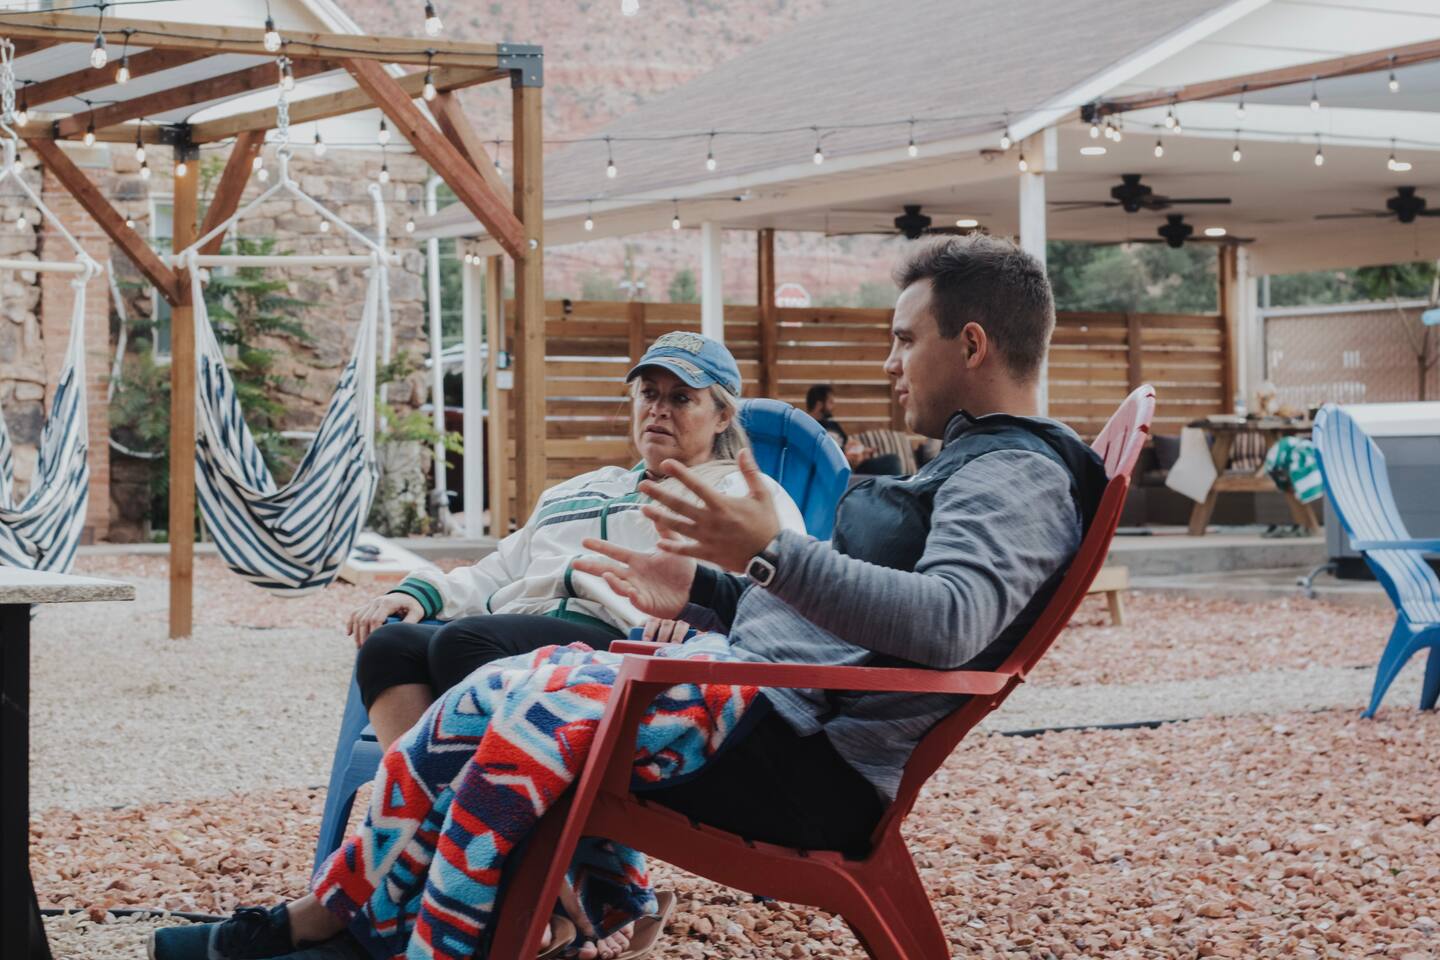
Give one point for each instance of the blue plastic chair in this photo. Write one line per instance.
(790, 446)
(1358, 486)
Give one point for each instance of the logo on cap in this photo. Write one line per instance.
(689, 342)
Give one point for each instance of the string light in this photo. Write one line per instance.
(1094, 129)
(1314, 93)
(629, 7)
(912, 149)
(1394, 83)
(819, 157)
(497, 157)
(589, 216)
(21, 222)
(1170, 122)
(181, 169)
(382, 136)
(675, 220)
(433, 26)
(99, 56)
(257, 163)
(324, 225)
(1005, 140)
(410, 225)
(429, 92)
(1022, 165)
(319, 147)
(710, 154)
(1159, 148)
(122, 73)
(1390, 164)
(262, 175)
(1115, 133)
(384, 171)
(287, 75)
(1240, 107)
(22, 116)
(139, 147)
(144, 169)
(90, 132)
(611, 170)
(129, 222)
(1319, 152)
(1235, 154)
(272, 36)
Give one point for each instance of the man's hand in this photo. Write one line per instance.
(657, 583)
(364, 620)
(723, 530)
(665, 631)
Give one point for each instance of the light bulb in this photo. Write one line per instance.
(498, 168)
(257, 163)
(710, 162)
(1094, 130)
(22, 116)
(20, 222)
(429, 92)
(1005, 140)
(1022, 165)
(610, 170)
(262, 175)
(324, 226)
(139, 151)
(1235, 154)
(1240, 109)
(122, 73)
(319, 145)
(433, 26)
(1390, 164)
(819, 156)
(145, 170)
(90, 135)
(1170, 120)
(1314, 101)
(1178, 129)
(382, 136)
(629, 7)
(287, 76)
(589, 224)
(410, 226)
(1394, 83)
(1117, 136)
(913, 150)
(1319, 157)
(272, 36)
(99, 56)
(1159, 149)
(181, 169)
(384, 173)
(129, 223)
(675, 222)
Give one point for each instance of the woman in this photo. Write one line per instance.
(528, 594)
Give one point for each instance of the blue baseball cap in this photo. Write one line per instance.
(697, 360)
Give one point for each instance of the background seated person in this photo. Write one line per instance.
(820, 404)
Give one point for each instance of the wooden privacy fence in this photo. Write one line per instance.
(1095, 360)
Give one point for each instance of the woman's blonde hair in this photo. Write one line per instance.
(728, 442)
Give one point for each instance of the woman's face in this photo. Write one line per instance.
(671, 420)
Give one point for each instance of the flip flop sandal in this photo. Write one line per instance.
(562, 937)
(649, 927)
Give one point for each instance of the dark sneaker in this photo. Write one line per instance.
(254, 933)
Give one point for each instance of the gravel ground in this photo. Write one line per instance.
(1296, 835)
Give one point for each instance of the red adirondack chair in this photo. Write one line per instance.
(881, 896)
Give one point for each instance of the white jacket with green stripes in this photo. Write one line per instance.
(531, 571)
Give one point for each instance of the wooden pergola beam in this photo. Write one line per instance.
(339, 104)
(431, 146)
(203, 38)
(238, 169)
(83, 81)
(106, 216)
(1391, 58)
(192, 94)
(453, 123)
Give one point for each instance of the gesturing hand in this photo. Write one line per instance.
(365, 619)
(724, 530)
(657, 583)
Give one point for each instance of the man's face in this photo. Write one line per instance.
(827, 407)
(928, 372)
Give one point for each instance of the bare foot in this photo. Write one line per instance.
(608, 947)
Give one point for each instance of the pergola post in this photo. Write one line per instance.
(182, 404)
(712, 281)
(529, 389)
(1039, 151)
(769, 313)
(1237, 330)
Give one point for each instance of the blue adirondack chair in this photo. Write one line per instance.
(1358, 486)
(790, 447)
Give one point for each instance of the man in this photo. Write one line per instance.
(945, 569)
(820, 404)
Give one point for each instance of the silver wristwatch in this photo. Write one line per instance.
(761, 568)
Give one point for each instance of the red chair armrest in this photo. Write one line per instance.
(657, 670)
(641, 647)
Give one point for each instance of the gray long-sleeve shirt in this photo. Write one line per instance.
(1003, 524)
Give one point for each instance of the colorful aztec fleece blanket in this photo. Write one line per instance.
(462, 789)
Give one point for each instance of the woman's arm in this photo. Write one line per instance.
(465, 591)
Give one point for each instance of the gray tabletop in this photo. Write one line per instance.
(34, 586)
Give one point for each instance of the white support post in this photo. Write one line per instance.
(712, 282)
(437, 371)
(1249, 328)
(472, 300)
(1038, 151)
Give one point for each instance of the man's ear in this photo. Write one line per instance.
(977, 344)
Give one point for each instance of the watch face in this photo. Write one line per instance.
(760, 570)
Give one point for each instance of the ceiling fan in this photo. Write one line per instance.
(912, 225)
(1134, 196)
(1405, 206)
(1175, 232)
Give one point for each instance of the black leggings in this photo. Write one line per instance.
(440, 656)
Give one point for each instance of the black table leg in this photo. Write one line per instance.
(22, 932)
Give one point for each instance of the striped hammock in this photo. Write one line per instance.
(292, 538)
(42, 531)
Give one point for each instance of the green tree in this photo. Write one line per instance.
(876, 295)
(1151, 278)
(597, 286)
(683, 288)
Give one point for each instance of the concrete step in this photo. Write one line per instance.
(1170, 555)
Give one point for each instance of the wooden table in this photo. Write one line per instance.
(22, 934)
(1222, 435)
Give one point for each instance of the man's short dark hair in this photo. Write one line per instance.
(989, 281)
(817, 394)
